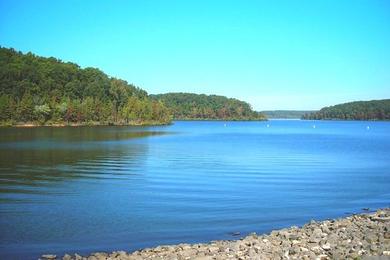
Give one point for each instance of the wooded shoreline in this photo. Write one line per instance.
(85, 124)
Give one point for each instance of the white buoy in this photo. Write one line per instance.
(314, 126)
(368, 128)
(224, 125)
(267, 125)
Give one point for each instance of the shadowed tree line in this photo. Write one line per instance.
(358, 110)
(47, 90)
(187, 106)
(286, 114)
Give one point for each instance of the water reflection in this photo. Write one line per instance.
(39, 157)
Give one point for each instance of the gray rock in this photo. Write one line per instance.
(66, 257)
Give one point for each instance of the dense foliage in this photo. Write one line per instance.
(359, 110)
(287, 114)
(187, 106)
(47, 90)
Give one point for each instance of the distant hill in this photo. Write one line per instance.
(286, 114)
(189, 106)
(358, 110)
(41, 90)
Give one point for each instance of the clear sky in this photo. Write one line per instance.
(292, 54)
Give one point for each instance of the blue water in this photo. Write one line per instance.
(66, 190)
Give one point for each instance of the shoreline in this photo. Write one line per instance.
(354, 237)
(37, 125)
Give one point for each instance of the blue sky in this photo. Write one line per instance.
(293, 54)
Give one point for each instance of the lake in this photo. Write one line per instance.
(86, 189)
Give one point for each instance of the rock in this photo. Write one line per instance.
(322, 257)
(381, 219)
(284, 234)
(371, 238)
(304, 249)
(66, 257)
(213, 249)
(49, 256)
(203, 258)
(185, 247)
(382, 213)
(317, 232)
(293, 237)
(325, 229)
(326, 246)
(314, 240)
(362, 252)
(295, 242)
(294, 250)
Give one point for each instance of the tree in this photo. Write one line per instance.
(194, 106)
(359, 110)
(42, 112)
(5, 108)
(25, 108)
(30, 85)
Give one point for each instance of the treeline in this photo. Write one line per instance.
(188, 106)
(49, 91)
(358, 110)
(286, 114)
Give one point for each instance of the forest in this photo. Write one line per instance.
(286, 114)
(189, 106)
(48, 91)
(358, 110)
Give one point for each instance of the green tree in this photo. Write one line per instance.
(42, 112)
(5, 108)
(25, 108)
(72, 94)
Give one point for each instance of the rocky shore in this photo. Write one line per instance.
(360, 236)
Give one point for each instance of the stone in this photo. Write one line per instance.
(66, 257)
(373, 248)
(203, 258)
(371, 238)
(213, 249)
(381, 219)
(304, 249)
(48, 256)
(295, 242)
(322, 257)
